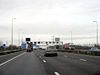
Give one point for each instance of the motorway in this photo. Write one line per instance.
(34, 63)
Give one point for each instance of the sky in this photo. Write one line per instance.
(42, 19)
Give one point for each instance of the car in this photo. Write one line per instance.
(43, 47)
(94, 49)
(72, 48)
(51, 51)
(35, 48)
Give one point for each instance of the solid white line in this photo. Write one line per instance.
(83, 60)
(12, 59)
(56, 73)
(44, 61)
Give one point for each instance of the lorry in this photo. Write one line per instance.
(67, 46)
(29, 47)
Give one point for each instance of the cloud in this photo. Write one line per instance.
(3, 28)
(49, 16)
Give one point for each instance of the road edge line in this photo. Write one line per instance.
(11, 59)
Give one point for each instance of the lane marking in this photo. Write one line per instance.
(65, 56)
(44, 61)
(12, 59)
(56, 73)
(83, 60)
(40, 56)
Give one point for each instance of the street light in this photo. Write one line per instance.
(12, 31)
(96, 32)
(71, 38)
(18, 38)
(53, 38)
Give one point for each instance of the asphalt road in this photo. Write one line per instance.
(34, 63)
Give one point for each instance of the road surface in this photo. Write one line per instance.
(34, 63)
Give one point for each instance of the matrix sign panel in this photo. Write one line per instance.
(57, 39)
(28, 39)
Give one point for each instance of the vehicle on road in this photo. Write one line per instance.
(94, 49)
(29, 50)
(35, 48)
(29, 47)
(67, 46)
(51, 51)
(44, 48)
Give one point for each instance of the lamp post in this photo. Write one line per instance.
(53, 38)
(96, 32)
(12, 31)
(18, 38)
(71, 38)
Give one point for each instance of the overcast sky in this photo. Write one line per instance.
(41, 19)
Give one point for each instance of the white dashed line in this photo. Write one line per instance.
(12, 59)
(83, 60)
(56, 73)
(65, 56)
(40, 56)
(44, 61)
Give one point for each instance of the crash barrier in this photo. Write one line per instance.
(86, 52)
(9, 51)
